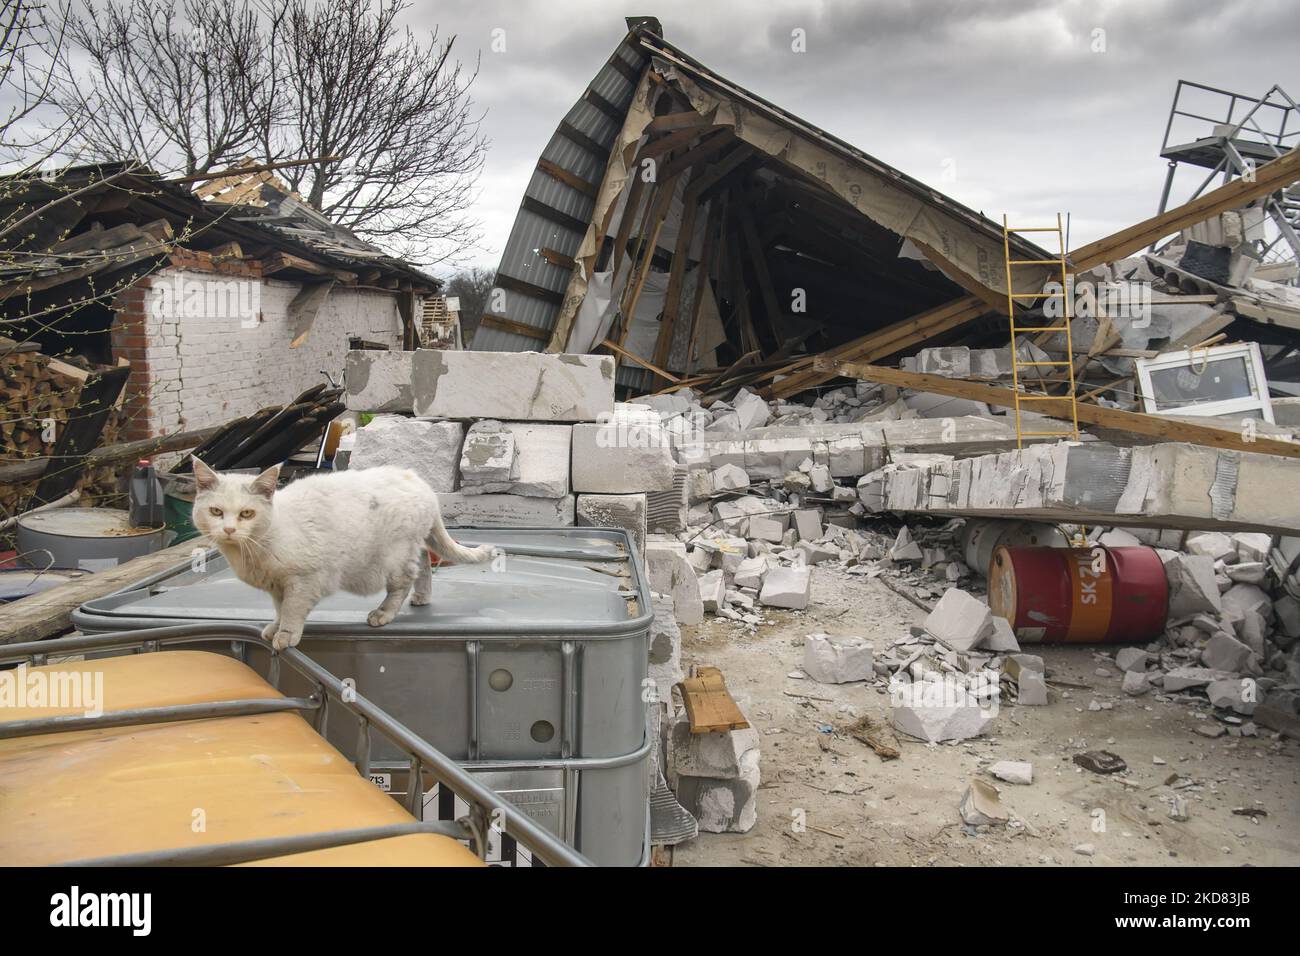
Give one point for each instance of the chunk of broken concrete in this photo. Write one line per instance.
(1236, 695)
(1013, 771)
(981, 806)
(1131, 659)
(787, 588)
(1192, 587)
(960, 620)
(938, 710)
(1136, 683)
(837, 660)
(723, 805)
(1224, 652)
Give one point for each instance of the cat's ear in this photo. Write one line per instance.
(264, 484)
(205, 479)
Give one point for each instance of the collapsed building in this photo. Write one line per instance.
(768, 356)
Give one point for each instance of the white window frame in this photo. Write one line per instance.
(1194, 358)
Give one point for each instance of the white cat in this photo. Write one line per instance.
(358, 531)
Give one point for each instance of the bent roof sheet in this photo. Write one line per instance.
(557, 209)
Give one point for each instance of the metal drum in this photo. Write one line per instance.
(1080, 595)
(90, 539)
(981, 537)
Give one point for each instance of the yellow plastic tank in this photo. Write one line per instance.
(94, 793)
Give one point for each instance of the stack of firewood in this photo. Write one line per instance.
(38, 395)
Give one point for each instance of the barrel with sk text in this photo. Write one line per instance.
(1080, 595)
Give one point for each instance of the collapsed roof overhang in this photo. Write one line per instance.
(664, 172)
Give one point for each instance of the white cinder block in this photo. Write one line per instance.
(506, 511)
(512, 386)
(430, 449)
(614, 511)
(621, 458)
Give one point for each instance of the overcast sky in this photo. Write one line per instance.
(1022, 108)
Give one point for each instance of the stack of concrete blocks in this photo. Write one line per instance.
(511, 417)
(1171, 484)
(716, 776)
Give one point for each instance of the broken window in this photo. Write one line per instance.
(1223, 380)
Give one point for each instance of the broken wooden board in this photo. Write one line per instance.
(304, 308)
(709, 706)
(1268, 178)
(43, 615)
(1136, 423)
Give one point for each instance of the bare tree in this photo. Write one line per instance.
(28, 45)
(472, 286)
(186, 87)
(195, 85)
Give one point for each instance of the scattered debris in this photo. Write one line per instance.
(1100, 761)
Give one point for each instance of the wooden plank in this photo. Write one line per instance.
(655, 222)
(1268, 178)
(669, 122)
(612, 110)
(278, 261)
(676, 140)
(697, 154)
(575, 135)
(572, 180)
(632, 356)
(510, 325)
(304, 307)
(625, 69)
(554, 215)
(704, 180)
(707, 256)
(709, 705)
(758, 259)
(676, 273)
(630, 211)
(529, 289)
(880, 343)
(43, 615)
(1137, 423)
(556, 258)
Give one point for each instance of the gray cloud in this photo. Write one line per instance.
(1009, 96)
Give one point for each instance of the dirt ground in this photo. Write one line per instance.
(858, 810)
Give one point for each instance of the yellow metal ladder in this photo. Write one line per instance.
(1016, 363)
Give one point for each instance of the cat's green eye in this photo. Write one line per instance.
(215, 512)
(247, 513)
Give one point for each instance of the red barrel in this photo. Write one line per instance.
(1080, 595)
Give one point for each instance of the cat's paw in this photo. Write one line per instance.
(378, 617)
(268, 632)
(285, 638)
(419, 600)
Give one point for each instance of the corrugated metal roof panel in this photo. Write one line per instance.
(531, 231)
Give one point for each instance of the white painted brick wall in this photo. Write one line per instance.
(208, 368)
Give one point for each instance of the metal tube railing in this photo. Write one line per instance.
(248, 851)
(486, 806)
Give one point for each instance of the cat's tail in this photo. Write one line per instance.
(449, 550)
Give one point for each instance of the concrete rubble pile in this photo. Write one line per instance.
(1232, 638)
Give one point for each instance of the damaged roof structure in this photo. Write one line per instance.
(817, 253)
(102, 227)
